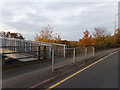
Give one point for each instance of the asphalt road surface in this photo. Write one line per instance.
(29, 75)
(26, 69)
(101, 75)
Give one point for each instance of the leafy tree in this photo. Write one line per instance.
(11, 35)
(117, 36)
(87, 39)
(65, 42)
(73, 42)
(109, 41)
(102, 38)
(47, 35)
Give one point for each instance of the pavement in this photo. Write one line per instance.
(36, 75)
(101, 75)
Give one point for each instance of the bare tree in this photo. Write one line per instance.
(100, 32)
(47, 35)
(102, 38)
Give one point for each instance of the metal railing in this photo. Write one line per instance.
(71, 56)
(24, 52)
(59, 54)
(17, 48)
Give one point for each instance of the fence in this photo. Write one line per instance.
(17, 48)
(59, 53)
(24, 52)
(71, 56)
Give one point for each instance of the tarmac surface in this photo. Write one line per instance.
(101, 75)
(28, 76)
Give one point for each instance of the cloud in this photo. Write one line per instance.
(26, 34)
(69, 19)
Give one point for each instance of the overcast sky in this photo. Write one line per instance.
(69, 19)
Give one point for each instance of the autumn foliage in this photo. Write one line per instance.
(101, 38)
(117, 37)
(47, 35)
(87, 39)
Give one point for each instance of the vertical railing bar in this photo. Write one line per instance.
(38, 52)
(73, 55)
(64, 51)
(93, 51)
(85, 56)
(86, 52)
(52, 60)
(45, 52)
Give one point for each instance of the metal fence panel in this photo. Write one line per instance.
(72, 55)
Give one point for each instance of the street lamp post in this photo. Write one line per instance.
(115, 22)
(115, 26)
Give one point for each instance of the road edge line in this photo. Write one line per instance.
(56, 84)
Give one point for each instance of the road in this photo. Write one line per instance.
(23, 70)
(31, 75)
(101, 75)
(26, 69)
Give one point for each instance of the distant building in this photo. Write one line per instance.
(119, 14)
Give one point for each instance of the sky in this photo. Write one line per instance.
(68, 19)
